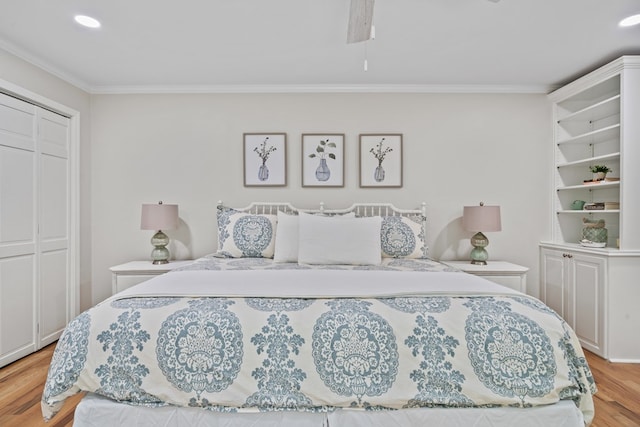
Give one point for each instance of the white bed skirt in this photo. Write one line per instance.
(96, 411)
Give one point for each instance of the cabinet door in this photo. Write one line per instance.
(587, 294)
(554, 289)
(17, 230)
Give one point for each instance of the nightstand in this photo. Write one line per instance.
(504, 273)
(124, 276)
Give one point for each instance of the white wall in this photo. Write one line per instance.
(459, 149)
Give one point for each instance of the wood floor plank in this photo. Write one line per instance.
(617, 403)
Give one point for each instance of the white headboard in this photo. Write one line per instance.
(418, 216)
(360, 209)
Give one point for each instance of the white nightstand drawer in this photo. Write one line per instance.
(504, 273)
(128, 281)
(126, 275)
(508, 281)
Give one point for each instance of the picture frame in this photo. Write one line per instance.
(265, 159)
(323, 160)
(381, 160)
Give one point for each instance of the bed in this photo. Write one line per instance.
(320, 317)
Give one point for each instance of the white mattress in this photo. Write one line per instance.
(96, 411)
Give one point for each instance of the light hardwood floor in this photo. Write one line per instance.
(617, 401)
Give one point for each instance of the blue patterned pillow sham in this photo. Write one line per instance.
(402, 237)
(242, 234)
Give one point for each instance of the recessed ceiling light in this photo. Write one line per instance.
(87, 21)
(630, 20)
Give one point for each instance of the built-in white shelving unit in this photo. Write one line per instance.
(597, 122)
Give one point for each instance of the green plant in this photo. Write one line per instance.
(599, 168)
(322, 150)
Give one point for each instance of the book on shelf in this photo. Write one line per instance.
(611, 205)
(596, 206)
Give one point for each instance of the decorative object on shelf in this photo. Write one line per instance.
(577, 205)
(381, 160)
(600, 171)
(594, 233)
(265, 159)
(323, 160)
(159, 217)
(481, 218)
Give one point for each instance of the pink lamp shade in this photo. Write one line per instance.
(159, 217)
(481, 218)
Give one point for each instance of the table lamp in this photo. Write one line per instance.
(480, 218)
(159, 217)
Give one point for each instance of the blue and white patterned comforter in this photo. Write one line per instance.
(418, 338)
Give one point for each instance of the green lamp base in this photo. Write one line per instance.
(479, 254)
(160, 253)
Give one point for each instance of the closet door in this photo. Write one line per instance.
(53, 164)
(18, 242)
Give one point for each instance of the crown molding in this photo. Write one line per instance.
(268, 88)
(594, 77)
(25, 56)
(321, 88)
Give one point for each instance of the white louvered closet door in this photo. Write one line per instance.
(34, 227)
(53, 209)
(18, 261)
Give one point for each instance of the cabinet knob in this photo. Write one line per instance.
(567, 256)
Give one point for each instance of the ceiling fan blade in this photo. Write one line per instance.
(360, 19)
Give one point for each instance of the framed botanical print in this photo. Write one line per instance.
(265, 159)
(323, 160)
(381, 160)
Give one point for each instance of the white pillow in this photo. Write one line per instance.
(329, 240)
(287, 236)
(286, 249)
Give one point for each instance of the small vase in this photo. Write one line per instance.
(323, 173)
(263, 173)
(600, 176)
(378, 175)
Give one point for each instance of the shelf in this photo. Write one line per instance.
(612, 156)
(584, 211)
(602, 109)
(594, 137)
(608, 250)
(590, 186)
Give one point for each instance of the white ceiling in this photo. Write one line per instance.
(199, 45)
